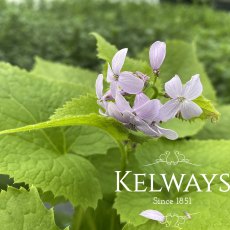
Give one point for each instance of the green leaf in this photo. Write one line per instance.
(107, 165)
(149, 225)
(204, 157)
(209, 111)
(87, 143)
(106, 52)
(65, 175)
(219, 129)
(109, 125)
(184, 128)
(21, 209)
(61, 72)
(46, 157)
(212, 211)
(82, 105)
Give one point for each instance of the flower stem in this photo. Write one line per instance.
(156, 75)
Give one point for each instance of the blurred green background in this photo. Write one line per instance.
(59, 31)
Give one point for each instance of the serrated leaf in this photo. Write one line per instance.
(87, 143)
(61, 72)
(46, 157)
(83, 105)
(109, 125)
(209, 111)
(210, 211)
(106, 52)
(31, 215)
(217, 130)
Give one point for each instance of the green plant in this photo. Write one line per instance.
(54, 140)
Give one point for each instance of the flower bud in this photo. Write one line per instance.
(157, 54)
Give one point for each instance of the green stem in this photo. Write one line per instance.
(155, 79)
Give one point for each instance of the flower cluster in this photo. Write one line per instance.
(143, 113)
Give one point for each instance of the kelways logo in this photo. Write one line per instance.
(169, 181)
(178, 181)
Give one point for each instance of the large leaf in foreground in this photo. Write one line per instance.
(61, 72)
(83, 105)
(45, 156)
(109, 125)
(21, 209)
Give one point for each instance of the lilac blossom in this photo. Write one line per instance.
(102, 98)
(182, 97)
(143, 116)
(125, 81)
(146, 114)
(153, 215)
(157, 54)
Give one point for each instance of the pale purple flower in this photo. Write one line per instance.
(102, 99)
(153, 215)
(141, 117)
(125, 81)
(157, 54)
(182, 98)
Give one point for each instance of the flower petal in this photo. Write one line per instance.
(130, 83)
(113, 111)
(153, 215)
(145, 128)
(148, 111)
(189, 109)
(140, 99)
(113, 88)
(169, 110)
(174, 87)
(118, 60)
(99, 86)
(168, 133)
(122, 104)
(193, 88)
(129, 117)
(157, 54)
(110, 74)
(108, 95)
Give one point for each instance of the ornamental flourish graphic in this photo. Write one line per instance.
(176, 221)
(167, 158)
